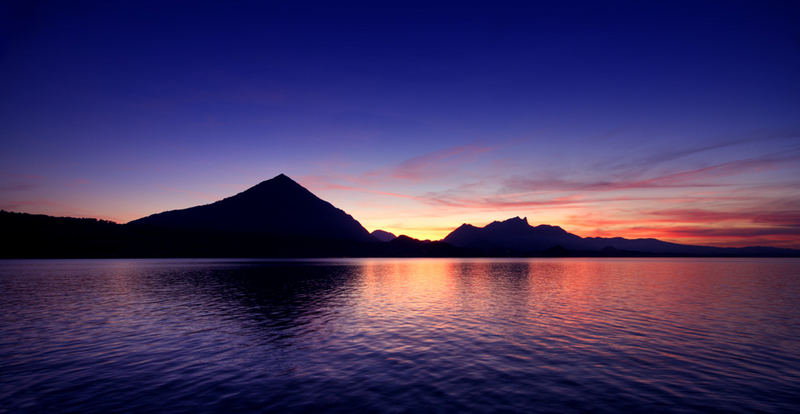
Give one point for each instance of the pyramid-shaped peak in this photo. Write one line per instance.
(282, 178)
(277, 207)
(279, 181)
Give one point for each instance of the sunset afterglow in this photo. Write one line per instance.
(380, 207)
(685, 134)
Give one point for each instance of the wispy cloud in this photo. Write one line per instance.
(436, 164)
(522, 200)
(776, 218)
(322, 183)
(728, 232)
(20, 182)
(19, 186)
(429, 166)
(722, 236)
(636, 166)
(192, 193)
(700, 177)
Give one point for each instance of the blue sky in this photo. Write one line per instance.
(676, 120)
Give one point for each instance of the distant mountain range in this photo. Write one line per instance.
(280, 218)
(515, 236)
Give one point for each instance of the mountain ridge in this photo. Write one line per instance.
(276, 207)
(516, 235)
(281, 218)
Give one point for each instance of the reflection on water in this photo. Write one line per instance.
(400, 335)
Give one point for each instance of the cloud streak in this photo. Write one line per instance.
(776, 218)
(639, 166)
(437, 163)
(682, 179)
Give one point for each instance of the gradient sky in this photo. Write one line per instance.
(675, 120)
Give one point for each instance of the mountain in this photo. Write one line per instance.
(276, 218)
(516, 237)
(278, 207)
(383, 236)
(512, 234)
(404, 246)
(280, 218)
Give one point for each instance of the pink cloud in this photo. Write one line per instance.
(722, 236)
(437, 163)
(193, 193)
(20, 182)
(417, 169)
(780, 218)
(689, 178)
(321, 183)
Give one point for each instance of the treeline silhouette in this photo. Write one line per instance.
(40, 236)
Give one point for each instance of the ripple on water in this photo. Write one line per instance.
(400, 335)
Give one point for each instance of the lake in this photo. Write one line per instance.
(400, 335)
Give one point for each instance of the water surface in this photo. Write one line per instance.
(400, 335)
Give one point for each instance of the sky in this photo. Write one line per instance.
(674, 120)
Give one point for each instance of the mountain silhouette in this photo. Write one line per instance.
(512, 234)
(280, 218)
(515, 236)
(275, 207)
(383, 236)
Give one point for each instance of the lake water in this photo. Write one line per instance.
(400, 335)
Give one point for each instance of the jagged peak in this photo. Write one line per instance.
(514, 221)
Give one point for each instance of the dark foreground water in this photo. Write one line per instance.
(399, 335)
